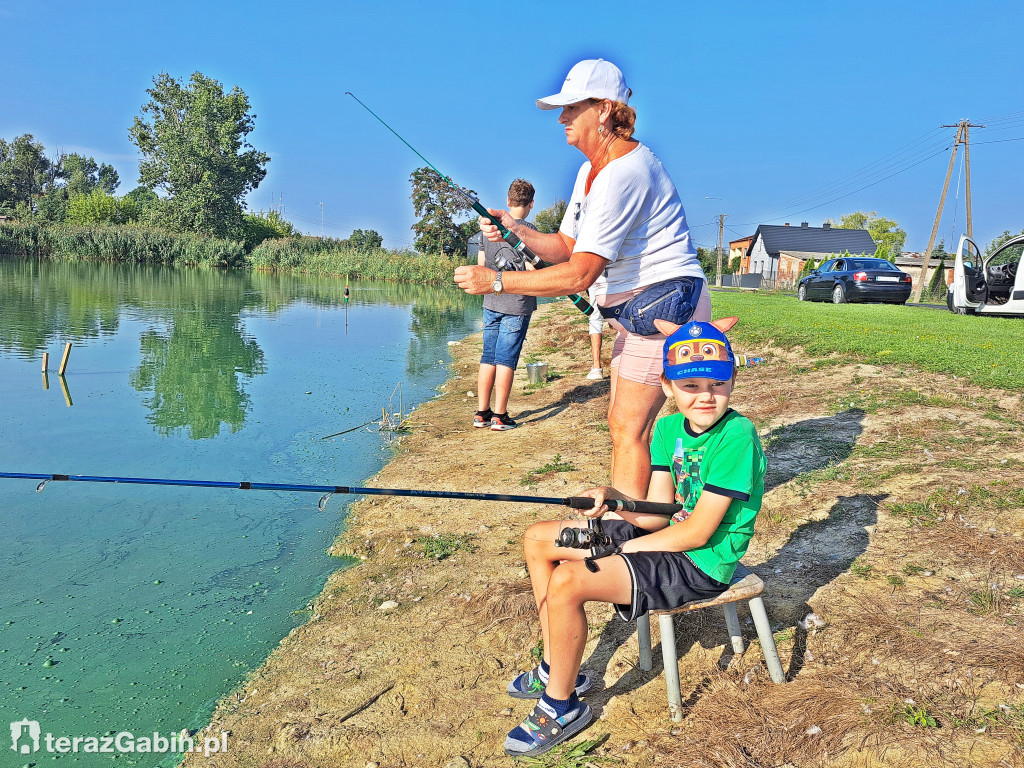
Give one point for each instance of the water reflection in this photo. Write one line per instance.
(194, 373)
(196, 360)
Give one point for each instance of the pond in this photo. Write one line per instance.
(135, 607)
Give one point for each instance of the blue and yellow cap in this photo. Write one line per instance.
(698, 351)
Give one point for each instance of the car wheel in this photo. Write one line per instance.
(839, 294)
(801, 293)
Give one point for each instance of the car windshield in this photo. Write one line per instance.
(871, 264)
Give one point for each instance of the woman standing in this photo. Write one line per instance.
(624, 232)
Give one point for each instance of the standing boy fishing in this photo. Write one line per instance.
(506, 319)
(709, 459)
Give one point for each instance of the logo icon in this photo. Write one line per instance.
(18, 730)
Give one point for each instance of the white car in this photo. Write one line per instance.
(992, 285)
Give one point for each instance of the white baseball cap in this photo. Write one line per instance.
(590, 79)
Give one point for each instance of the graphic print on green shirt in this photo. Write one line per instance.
(686, 471)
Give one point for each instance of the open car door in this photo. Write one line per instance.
(968, 290)
(1004, 279)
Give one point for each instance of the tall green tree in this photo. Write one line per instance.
(549, 219)
(24, 172)
(194, 149)
(365, 240)
(83, 175)
(438, 206)
(887, 233)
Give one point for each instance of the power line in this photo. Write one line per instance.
(848, 194)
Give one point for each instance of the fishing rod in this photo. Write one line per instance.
(573, 502)
(507, 235)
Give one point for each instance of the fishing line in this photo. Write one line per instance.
(573, 502)
(507, 235)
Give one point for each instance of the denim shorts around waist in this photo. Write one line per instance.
(503, 338)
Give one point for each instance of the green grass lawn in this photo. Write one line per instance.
(987, 350)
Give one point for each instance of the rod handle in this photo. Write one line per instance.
(619, 505)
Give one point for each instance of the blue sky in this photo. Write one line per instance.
(784, 111)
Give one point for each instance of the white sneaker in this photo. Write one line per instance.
(595, 373)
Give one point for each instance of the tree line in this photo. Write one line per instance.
(196, 167)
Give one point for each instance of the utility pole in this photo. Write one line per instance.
(961, 138)
(721, 228)
(321, 220)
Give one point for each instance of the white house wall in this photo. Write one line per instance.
(760, 262)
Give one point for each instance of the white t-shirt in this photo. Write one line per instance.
(633, 218)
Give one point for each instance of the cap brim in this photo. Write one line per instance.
(559, 100)
(717, 370)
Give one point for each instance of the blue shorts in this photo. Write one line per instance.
(503, 338)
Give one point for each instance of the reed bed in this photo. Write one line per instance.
(326, 258)
(127, 244)
(306, 255)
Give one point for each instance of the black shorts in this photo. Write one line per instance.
(661, 580)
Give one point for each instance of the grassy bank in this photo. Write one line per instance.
(985, 350)
(307, 255)
(896, 519)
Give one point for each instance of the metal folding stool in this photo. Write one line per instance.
(745, 585)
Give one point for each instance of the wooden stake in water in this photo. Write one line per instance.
(64, 360)
(46, 360)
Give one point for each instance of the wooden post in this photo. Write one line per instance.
(64, 360)
(46, 380)
(938, 215)
(46, 360)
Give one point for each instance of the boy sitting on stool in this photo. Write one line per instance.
(709, 459)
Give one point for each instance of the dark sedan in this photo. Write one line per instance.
(856, 278)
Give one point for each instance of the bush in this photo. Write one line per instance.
(937, 285)
(262, 226)
(98, 207)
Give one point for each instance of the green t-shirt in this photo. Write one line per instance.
(728, 460)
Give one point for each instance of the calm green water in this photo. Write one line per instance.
(131, 607)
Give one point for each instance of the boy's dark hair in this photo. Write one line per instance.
(520, 193)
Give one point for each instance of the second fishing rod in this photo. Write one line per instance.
(518, 246)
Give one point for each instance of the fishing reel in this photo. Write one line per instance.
(508, 259)
(591, 537)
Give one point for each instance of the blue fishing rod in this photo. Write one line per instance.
(507, 235)
(573, 502)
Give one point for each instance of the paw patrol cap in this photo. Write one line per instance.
(698, 351)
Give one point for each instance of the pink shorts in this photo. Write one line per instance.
(639, 358)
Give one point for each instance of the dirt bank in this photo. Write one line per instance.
(894, 511)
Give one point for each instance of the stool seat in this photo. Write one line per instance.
(745, 585)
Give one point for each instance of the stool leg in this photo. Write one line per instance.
(764, 633)
(732, 623)
(643, 636)
(671, 663)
